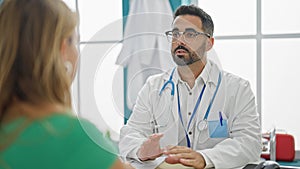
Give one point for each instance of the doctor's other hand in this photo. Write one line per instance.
(185, 156)
(150, 149)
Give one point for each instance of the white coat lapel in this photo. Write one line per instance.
(218, 102)
(171, 131)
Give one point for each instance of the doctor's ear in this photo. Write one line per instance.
(210, 43)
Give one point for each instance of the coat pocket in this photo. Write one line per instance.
(218, 129)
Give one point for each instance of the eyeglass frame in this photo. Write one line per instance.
(182, 33)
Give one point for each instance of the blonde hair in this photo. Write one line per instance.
(31, 67)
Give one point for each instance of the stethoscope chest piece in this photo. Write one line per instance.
(202, 125)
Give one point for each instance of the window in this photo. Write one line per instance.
(280, 85)
(280, 16)
(101, 29)
(100, 94)
(100, 21)
(231, 17)
(238, 57)
(262, 37)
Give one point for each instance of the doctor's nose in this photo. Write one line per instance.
(181, 41)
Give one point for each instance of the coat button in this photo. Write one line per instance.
(189, 113)
(190, 133)
(190, 93)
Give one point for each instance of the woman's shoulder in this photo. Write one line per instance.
(73, 141)
(84, 139)
(75, 129)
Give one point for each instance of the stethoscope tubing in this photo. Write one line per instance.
(171, 82)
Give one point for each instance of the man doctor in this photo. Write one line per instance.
(196, 114)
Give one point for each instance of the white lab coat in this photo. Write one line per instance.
(145, 48)
(234, 98)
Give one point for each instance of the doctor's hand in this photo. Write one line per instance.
(150, 149)
(185, 156)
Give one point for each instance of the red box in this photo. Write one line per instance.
(285, 148)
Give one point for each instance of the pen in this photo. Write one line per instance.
(221, 118)
(154, 127)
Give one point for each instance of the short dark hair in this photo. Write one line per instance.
(207, 23)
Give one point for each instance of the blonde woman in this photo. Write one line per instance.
(38, 54)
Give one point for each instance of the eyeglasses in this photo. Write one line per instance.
(188, 36)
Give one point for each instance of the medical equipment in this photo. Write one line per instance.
(273, 145)
(170, 81)
(202, 124)
(163, 121)
(154, 123)
(278, 146)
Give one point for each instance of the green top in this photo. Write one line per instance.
(58, 141)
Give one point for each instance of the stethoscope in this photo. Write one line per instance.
(154, 123)
(203, 123)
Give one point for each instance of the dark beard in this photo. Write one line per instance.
(181, 61)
